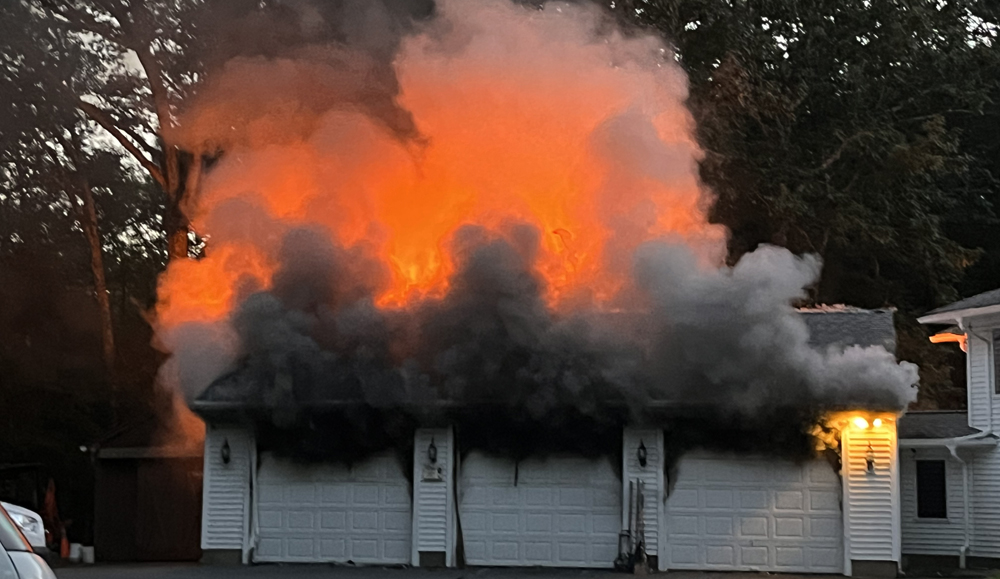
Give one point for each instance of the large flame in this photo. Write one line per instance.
(525, 116)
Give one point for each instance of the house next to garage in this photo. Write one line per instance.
(949, 461)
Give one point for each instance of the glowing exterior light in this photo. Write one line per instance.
(860, 422)
(877, 422)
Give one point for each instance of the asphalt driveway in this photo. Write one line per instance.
(153, 571)
(177, 571)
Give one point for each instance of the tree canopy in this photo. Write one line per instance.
(857, 131)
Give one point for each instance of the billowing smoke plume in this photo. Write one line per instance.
(536, 243)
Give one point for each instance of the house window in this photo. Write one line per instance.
(932, 502)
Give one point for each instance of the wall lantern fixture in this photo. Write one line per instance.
(226, 452)
(432, 452)
(870, 458)
(641, 454)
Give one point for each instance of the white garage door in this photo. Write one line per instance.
(333, 513)
(559, 511)
(763, 514)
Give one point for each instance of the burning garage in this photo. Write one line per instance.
(434, 484)
(464, 306)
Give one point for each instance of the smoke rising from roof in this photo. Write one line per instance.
(537, 242)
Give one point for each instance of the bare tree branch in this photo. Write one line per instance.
(101, 118)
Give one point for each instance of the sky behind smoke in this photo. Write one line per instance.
(486, 202)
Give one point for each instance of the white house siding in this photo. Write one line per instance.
(652, 479)
(984, 413)
(226, 490)
(986, 504)
(931, 536)
(980, 392)
(433, 496)
(871, 499)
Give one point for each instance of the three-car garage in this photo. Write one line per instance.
(699, 511)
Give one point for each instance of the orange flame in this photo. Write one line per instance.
(527, 116)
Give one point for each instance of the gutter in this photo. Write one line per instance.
(957, 315)
(971, 441)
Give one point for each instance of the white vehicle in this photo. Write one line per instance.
(17, 560)
(30, 524)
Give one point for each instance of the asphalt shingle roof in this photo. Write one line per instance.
(990, 298)
(850, 327)
(935, 424)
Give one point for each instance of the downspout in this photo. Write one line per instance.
(953, 447)
(253, 529)
(964, 552)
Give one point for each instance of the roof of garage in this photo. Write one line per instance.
(829, 326)
(935, 424)
(846, 326)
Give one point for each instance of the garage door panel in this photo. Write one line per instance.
(330, 513)
(560, 512)
(729, 513)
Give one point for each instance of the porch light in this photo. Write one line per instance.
(641, 454)
(870, 458)
(226, 452)
(860, 422)
(432, 452)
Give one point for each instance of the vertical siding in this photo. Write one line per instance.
(225, 498)
(985, 490)
(871, 502)
(931, 536)
(980, 393)
(433, 503)
(652, 478)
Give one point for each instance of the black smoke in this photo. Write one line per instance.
(717, 355)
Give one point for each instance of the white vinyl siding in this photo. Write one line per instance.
(871, 501)
(739, 513)
(980, 388)
(986, 504)
(552, 512)
(921, 536)
(433, 498)
(333, 512)
(226, 490)
(652, 478)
